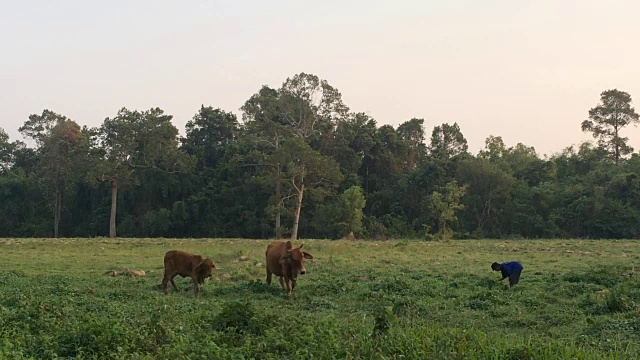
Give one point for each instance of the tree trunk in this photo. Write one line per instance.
(278, 231)
(615, 143)
(114, 201)
(58, 206)
(296, 219)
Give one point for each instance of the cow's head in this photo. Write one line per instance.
(204, 270)
(295, 260)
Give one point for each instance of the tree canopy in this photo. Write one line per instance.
(299, 163)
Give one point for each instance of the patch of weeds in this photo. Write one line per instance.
(603, 276)
(489, 283)
(417, 275)
(602, 330)
(616, 302)
(519, 323)
(384, 318)
(237, 319)
(484, 300)
(402, 305)
(119, 295)
(532, 303)
(572, 289)
(333, 286)
(94, 336)
(8, 277)
(395, 285)
(520, 353)
(607, 301)
(316, 304)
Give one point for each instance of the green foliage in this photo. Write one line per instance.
(447, 142)
(383, 321)
(616, 301)
(290, 169)
(444, 206)
(7, 150)
(353, 201)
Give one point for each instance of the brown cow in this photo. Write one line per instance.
(181, 263)
(286, 262)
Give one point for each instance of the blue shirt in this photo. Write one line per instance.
(510, 268)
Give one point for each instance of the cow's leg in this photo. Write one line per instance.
(165, 282)
(282, 282)
(173, 283)
(196, 286)
(269, 273)
(293, 284)
(287, 281)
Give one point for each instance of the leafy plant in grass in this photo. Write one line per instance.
(616, 301)
(238, 319)
(383, 320)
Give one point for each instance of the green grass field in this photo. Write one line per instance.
(359, 300)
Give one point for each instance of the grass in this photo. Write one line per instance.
(359, 300)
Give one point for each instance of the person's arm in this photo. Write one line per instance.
(504, 273)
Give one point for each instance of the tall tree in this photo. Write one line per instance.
(444, 204)
(310, 105)
(303, 109)
(266, 129)
(57, 139)
(447, 141)
(133, 141)
(6, 152)
(350, 143)
(60, 156)
(487, 195)
(494, 149)
(307, 169)
(353, 201)
(608, 118)
(208, 134)
(412, 131)
(38, 127)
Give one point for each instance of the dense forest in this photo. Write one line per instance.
(299, 163)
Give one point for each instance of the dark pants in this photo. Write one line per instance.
(514, 278)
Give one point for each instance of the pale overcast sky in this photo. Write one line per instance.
(527, 70)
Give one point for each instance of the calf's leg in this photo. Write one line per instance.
(173, 283)
(165, 282)
(269, 273)
(196, 286)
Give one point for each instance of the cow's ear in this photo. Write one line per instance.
(307, 255)
(289, 245)
(197, 261)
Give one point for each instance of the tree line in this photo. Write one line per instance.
(300, 163)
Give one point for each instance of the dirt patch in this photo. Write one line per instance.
(126, 272)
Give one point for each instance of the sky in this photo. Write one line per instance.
(528, 71)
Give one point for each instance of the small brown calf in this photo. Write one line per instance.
(181, 263)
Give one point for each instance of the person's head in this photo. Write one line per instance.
(496, 267)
